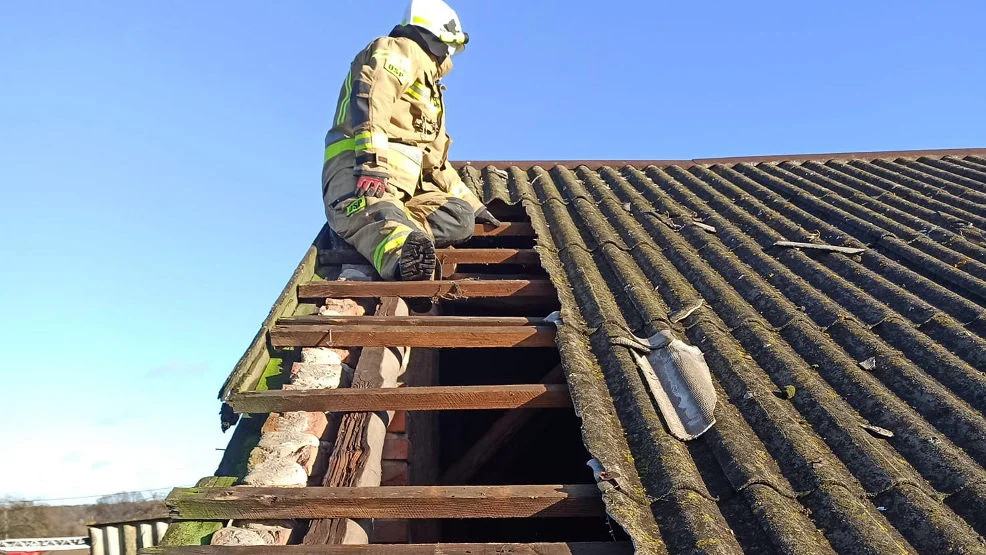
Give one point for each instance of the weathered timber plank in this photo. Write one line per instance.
(357, 456)
(412, 336)
(542, 501)
(477, 276)
(431, 289)
(488, 256)
(581, 548)
(508, 229)
(194, 532)
(474, 397)
(424, 442)
(451, 256)
(505, 428)
(482, 321)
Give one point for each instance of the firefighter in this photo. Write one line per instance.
(387, 185)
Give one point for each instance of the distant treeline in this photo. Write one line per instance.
(24, 519)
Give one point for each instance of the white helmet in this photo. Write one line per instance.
(437, 17)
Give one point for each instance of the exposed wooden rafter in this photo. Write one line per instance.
(574, 548)
(541, 288)
(471, 397)
(411, 502)
(368, 335)
(454, 256)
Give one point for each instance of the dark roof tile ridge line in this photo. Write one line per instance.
(824, 157)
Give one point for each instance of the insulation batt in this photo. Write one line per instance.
(320, 355)
(316, 376)
(277, 472)
(238, 536)
(341, 307)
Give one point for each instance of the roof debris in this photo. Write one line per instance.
(787, 392)
(686, 311)
(816, 246)
(877, 431)
(869, 364)
(704, 226)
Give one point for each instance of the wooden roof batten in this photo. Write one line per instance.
(290, 326)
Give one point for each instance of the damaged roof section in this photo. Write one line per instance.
(839, 302)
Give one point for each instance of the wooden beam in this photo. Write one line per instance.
(480, 276)
(357, 454)
(575, 548)
(428, 289)
(449, 255)
(495, 437)
(424, 443)
(547, 501)
(480, 321)
(412, 336)
(471, 397)
(197, 532)
(488, 256)
(508, 229)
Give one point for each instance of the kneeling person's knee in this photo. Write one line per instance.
(452, 223)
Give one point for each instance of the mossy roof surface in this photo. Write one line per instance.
(889, 340)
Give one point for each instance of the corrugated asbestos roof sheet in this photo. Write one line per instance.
(890, 341)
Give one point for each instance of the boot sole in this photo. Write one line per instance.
(417, 262)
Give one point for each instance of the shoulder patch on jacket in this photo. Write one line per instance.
(396, 64)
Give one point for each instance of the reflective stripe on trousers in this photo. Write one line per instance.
(390, 243)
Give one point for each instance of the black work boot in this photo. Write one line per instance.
(417, 262)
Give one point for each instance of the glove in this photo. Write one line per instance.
(370, 186)
(483, 216)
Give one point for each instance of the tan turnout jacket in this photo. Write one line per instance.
(391, 113)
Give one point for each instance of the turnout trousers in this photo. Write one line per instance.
(378, 226)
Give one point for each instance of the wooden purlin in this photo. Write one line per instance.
(349, 463)
(466, 397)
(480, 321)
(508, 229)
(410, 502)
(447, 255)
(460, 289)
(343, 503)
(572, 548)
(412, 336)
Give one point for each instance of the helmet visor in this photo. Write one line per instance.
(457, 46)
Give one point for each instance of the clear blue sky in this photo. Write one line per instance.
(159, 168)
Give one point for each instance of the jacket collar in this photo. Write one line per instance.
(438, 50)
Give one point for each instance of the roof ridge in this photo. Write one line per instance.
(595, 164)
